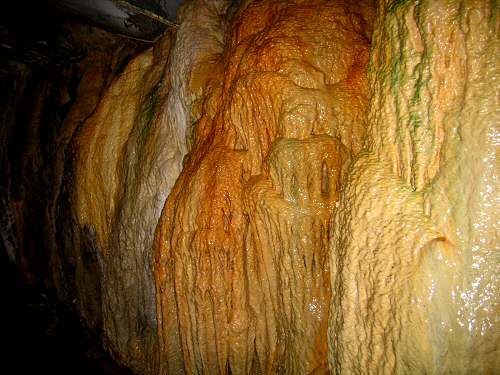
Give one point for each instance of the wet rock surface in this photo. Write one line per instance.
(243, 240)
(274, 187)
(414, 250)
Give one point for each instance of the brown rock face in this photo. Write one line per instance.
(241, 266)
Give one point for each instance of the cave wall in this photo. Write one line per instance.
(42, 106)
(272, 187)
(128, 156)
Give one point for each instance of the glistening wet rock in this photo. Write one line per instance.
(274, 187)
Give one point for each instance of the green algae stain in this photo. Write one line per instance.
(419, 83)
(396, 4)
(415, 121)
(147, 114)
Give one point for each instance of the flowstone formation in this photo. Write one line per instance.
(128, 155)
(241, 265)
(273, 187)
(414, 248)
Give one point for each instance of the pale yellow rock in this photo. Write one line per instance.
(129, 154)
(119, 180)
(415, 248)
(286, 252)
(256, 199)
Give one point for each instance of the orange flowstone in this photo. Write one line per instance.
(241, 268)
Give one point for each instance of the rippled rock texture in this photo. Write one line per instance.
(275, 187)
(415, 250)
(243, 240)
(128, 155)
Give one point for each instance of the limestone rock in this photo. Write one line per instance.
(274, 187)
(128, 155)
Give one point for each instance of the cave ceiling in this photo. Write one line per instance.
(36, 32)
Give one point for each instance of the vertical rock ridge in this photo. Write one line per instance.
(115, 171)
(128, 156)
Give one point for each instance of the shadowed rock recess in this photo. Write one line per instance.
(272, 187)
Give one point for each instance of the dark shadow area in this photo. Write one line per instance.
(40, 336)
